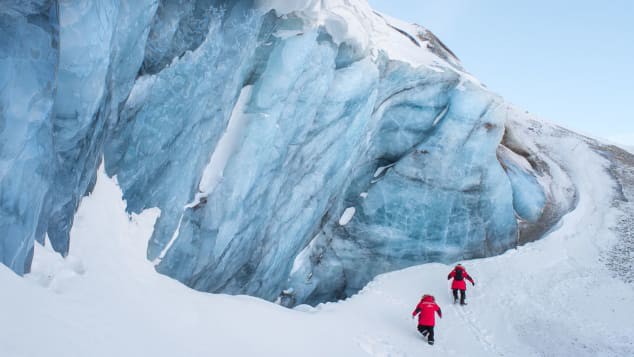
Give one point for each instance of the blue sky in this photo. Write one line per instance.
(570, 62)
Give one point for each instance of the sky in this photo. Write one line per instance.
(569, 62)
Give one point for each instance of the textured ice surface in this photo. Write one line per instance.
(529, 198)
(101, 50)
(174, 119)
(295, 149)
(63, 78)
(29, 55)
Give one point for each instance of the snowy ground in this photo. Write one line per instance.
(554, 297)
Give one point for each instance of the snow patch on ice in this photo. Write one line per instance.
(226, 146)
(381, 169)
(440, 116)
(303, 257)
(347, 215)
(170, 243)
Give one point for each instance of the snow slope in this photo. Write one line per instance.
(553, 297)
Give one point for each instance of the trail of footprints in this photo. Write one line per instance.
(481, 334)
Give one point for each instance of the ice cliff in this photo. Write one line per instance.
(295, 148)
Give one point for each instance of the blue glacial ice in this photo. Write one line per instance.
(93, 78)
(254, 132)
(27, 89)
(66, 69)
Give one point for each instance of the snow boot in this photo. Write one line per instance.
(431, 343)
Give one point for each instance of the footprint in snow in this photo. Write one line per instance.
(378, 347)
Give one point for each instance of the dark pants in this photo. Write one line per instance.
(463, 295)
(427, 331)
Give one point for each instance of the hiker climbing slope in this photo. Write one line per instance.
(459, 274)
(426, 311)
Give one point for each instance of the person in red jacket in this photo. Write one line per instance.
(426, 310)
(459, 274)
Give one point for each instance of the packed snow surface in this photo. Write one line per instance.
(553, 297)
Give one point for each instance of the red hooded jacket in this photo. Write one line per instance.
(426, 310)
(459, 284)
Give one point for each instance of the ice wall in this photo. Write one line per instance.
(295, 151)
(29, 57)
(67, 67)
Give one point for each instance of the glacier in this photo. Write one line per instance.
(27, 88)
(255, 126)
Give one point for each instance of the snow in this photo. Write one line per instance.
(302, 257)
(158, 259)
(379, 170)
(226, 145)
(344, 20)
(355, 22)
(347, 215)
(551, 297)
(442, 113)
